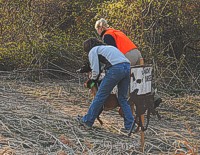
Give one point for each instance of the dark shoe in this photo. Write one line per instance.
(124, 130)
(80, 121)
(157, 102)
(127, 131)
(79, 117)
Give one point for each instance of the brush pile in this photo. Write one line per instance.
(39, 118)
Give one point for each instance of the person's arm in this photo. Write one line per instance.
(94, 63)
(109, 40)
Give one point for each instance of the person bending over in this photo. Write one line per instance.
(117, 72)
(118, 39)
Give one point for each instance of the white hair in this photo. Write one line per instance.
(101, 23)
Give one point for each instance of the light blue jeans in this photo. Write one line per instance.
(116, 75)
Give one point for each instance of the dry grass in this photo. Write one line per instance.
(39, 118)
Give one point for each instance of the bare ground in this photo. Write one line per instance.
(39, 118)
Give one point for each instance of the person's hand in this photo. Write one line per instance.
(84, 69)
(89, 83)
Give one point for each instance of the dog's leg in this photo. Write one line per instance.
(98, 118)
(133, 109)
(93, 92)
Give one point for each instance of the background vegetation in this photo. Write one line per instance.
(44, 37)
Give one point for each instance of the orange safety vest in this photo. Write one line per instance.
(124, 44)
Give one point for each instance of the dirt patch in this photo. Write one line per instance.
(39, 118)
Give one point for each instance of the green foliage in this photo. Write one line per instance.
(166, 32)
(36, 35)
